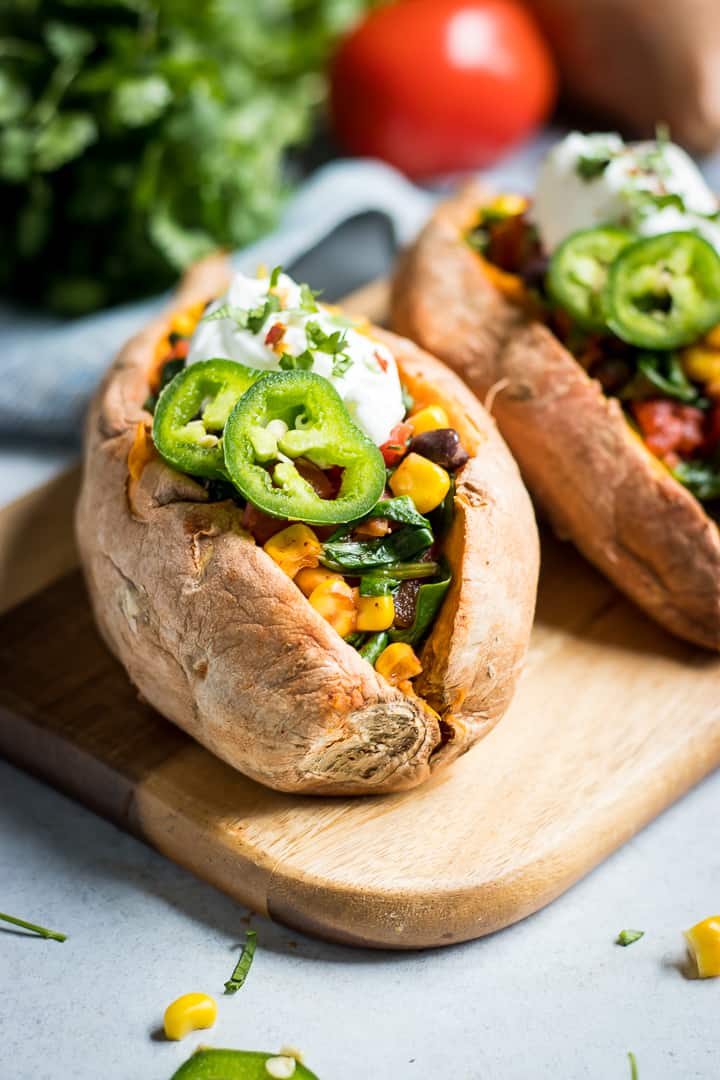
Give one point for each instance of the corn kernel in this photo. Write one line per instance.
(336, 602)
(712, 338)
(397, 663)
(189, 1013)
(701, 363)
(510, 205)
(704, 943)
(294, 548)
(426, 483)
(375, 612)
(430, 418)
(310, 577)
(184, 322)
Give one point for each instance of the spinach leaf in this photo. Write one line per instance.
(377, 584)
(401, 509)
(702, 478)
(660, 371)
(374, 646)
(429, 599)
(357, 555)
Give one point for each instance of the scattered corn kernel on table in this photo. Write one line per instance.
(550, 997)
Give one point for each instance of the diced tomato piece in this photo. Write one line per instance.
(275, 334)
(378, 526)
(260, 524)
(381, 361)
(393, 451)
(180, 349)
(671, 430)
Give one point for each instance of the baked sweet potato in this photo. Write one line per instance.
(588, 470)
(223, 643)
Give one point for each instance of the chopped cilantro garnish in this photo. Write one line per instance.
(52, 935)
(242, 967)
(226, 311)
(341, 363)
(302, 362)
(308, 297)
(626, 937)
(589, 166)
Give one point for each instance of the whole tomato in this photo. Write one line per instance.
(435, 86)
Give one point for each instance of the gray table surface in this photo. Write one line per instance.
(549, 999)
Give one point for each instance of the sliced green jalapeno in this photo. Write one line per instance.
(293, 414)
(192, 411)
(210, 1064)
(664, 291)
(578, 272)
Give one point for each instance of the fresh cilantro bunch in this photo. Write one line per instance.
(139, 135)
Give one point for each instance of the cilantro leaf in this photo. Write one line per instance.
(627, 937)
(143, 134)
(302, 362)
(240, 972)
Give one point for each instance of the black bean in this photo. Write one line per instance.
(405, 600)
(442, 446)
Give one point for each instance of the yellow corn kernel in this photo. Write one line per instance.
(713, 337)
(336, 602)
(375, 612)
(701, 363)
(430, 418)
(509, 205)
(426, 483)
(310, 577)
(398, 663)
(189, 1013)
(184, 322)
(294, 548)
(704, 943)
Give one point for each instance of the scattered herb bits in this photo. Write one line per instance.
(633, 1066)
(41, 931)
(243, 965)
(627, 937)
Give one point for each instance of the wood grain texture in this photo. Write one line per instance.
(613, 720)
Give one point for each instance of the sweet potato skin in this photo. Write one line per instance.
(221, 642)
(640, 62)
(589, 473)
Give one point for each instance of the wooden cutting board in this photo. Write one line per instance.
(613, 721)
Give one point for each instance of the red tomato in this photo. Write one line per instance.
(440, 85)
(393, 451)
(670, 429)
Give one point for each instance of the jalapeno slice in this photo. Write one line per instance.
(210, 1064)
(191, 413)
(664, 291)
(578, 273)
(298, 414)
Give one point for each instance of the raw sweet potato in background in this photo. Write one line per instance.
(635, 63)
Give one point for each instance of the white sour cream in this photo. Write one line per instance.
(369, 384)
(565, 200)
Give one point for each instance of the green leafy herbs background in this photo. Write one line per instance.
(137, 136)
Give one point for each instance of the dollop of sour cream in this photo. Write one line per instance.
(363, 372)
(651, 187)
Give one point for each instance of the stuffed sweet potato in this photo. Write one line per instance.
(585, 322)
(313, 657)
